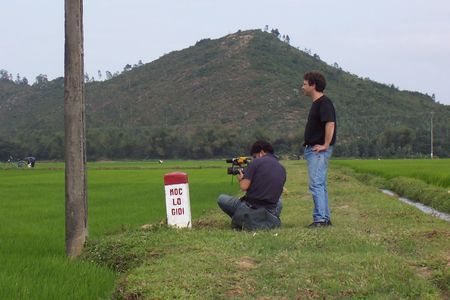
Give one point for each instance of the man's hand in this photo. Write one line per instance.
(240, 176)
(329, 130)
(243, 183)
(319, 148)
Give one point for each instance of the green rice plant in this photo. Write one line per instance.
(435, 172)
(425, 181)
(377, 248)
(120, 195)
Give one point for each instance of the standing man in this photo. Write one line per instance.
(320, 136)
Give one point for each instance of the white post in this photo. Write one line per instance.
(178, 207)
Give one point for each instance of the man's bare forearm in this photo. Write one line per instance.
(329, 131)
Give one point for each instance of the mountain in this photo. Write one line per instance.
(214, 99)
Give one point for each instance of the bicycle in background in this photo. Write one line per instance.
(16, 163)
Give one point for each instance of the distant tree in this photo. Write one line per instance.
(4, 75)
(287, 39)
(108, 75)
(140, 63)
(8, 148)
(24, 81)
(283, 38)
(86, 77)
(18, 79)
(275, 32)
(41, 81)
(396, 141)
(316, 56)
(99, 75)
(127, 68)
(266, 28)
(433, 96)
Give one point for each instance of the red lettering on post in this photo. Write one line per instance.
(177, 211)
(176, 192)
(176, 202)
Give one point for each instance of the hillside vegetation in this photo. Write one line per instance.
(213, 99)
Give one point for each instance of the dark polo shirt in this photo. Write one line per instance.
(267, 178)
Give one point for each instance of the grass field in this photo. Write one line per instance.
(377, 247)
(435, 172)
(421, 180)
(120, 195)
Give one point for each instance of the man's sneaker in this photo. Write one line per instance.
(320, 224)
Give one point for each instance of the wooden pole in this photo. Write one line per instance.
(74, 126)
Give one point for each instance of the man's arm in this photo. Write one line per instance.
(243, 183)
(329, 130)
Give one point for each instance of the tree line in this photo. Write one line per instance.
(206, 143)
(42, 79)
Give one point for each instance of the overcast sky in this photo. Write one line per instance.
(404, 42)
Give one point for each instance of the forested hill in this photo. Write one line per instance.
(213, 99)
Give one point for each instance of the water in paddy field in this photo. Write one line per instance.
(422, 207)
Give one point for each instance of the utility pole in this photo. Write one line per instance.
(74, 126)
(431, 135)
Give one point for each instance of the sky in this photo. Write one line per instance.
(400, 42)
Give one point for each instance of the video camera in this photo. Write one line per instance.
(238, 164)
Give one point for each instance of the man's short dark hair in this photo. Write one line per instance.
(316, 78)
(261, 145)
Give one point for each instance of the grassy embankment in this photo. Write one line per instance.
(377, 248)
(33, 264)
(423, 180)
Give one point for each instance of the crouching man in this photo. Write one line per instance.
(263, 182)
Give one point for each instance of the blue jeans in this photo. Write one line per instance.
(230, 205)
(317, 173)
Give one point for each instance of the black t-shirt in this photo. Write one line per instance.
(267, 178)
(321, 112)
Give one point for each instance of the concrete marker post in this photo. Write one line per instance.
(178, 207)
